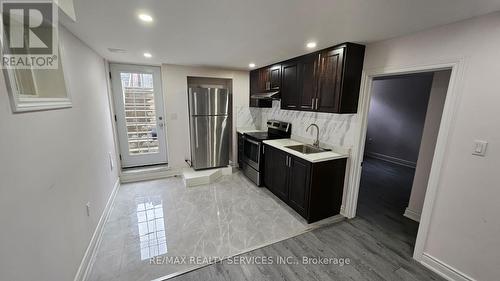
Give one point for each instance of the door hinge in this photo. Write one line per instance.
(116, 120)
(120, 157)
(110, 75)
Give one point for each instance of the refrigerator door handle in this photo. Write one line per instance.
(196, 131)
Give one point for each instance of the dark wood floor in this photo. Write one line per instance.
(379, 242)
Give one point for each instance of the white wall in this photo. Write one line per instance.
(52, 164)
(437, 97)
(465, 223)
(176, 106)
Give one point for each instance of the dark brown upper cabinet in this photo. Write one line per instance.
(266, 79)
(324, 81)
(339, 78)
(327, 98)
(290, 85)
(262, 80)
(308, 70)
(275, 77)
(298, 83)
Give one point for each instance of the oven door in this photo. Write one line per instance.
(251, 152)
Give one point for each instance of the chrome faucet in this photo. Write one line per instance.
(316, 142)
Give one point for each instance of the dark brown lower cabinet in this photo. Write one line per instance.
(314, 190)
(276, 159)
(298, 184)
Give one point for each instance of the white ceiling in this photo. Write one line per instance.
(233, 33)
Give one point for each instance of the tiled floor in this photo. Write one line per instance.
(379, 242)
(164, 218)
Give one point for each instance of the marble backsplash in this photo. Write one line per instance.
(248, 117)
(336, 130)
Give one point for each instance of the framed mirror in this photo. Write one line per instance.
(38, 89)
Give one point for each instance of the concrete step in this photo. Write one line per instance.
(147, 173)
(194, 178)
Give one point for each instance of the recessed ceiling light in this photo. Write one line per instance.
(148, 55)
(251, 65)
(145, 17)
(311, 45)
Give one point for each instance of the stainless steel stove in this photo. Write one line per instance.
(253, 164)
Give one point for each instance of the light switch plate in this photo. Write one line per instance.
(87, 208)
(479, 148)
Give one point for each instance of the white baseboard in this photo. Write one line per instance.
(342, 210)
(391, 159)
(90, 253)
(442, 269)
(412, 215)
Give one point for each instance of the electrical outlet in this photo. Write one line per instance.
(111, 162)
(479, 147)
(87, 206)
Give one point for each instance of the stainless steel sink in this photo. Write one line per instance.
(307, 149)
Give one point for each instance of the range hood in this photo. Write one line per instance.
(266, 96)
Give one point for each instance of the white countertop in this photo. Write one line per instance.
(313, 157)
(248, 130)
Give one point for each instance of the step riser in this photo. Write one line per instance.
(191, 179)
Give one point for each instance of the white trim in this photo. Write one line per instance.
(90, 253)
(452, 100)
(128, 177)
(391, 159)
(21, 104)
(444, 270)
(412, 215)
(112, 116)
(132, 160)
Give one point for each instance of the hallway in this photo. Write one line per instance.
(384, 193)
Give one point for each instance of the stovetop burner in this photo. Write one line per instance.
(260, 136)
(275, 130)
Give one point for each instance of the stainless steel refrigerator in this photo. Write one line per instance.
(209, 127)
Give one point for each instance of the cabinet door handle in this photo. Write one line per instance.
(312, 103)
(317, 103)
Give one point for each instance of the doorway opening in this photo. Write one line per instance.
(139, 115)
(403, 123)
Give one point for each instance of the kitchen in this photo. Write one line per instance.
(289, 177)
(324, 83)
(198, 133)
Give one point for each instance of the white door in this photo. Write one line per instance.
(139, 113)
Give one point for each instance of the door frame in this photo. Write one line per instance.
(116, 133)
(445, 129)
